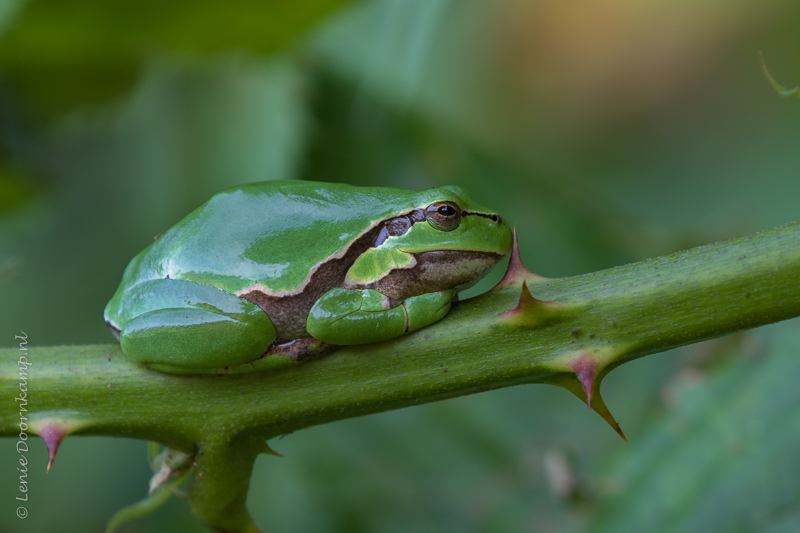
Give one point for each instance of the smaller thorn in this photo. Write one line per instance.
(531, 311)
(269, 451)
(52, 434)
(526, 299)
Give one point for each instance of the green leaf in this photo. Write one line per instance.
(783, 91)
(16, 188)
(66, 53)
(8, 11)
(139, 509)
(727, 457)
(145, 506)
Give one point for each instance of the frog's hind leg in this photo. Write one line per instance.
(183, 327)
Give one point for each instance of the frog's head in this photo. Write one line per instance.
(448, 241)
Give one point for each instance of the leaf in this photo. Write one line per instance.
(143, 507)
(66, 53)
(726, 460)
(8, 11)
(783, 91)
(16, 188)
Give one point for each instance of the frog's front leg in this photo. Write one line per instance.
(346, 316)
(183, 327)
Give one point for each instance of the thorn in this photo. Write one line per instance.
(526, 301)
(269, 451)
(586, 370)
(516, 271)
(52, 434)
(53, 429)
(601, 409)
(587, 387)
(530, 311)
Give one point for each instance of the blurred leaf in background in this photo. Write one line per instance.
(726, 456)
(15, 189)
(607, 131)
(63, 54)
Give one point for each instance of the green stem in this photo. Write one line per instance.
(577, 330)
(219, 482)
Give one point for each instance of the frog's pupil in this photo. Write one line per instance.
(447, 211)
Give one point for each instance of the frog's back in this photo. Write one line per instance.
(268, 235)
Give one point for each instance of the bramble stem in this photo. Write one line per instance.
(594, 321)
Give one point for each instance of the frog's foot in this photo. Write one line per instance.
(183, 327)
(345, 316)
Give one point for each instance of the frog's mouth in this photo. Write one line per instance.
(437, 271)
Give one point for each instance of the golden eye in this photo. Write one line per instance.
(444, 216)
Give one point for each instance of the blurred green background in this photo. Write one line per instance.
(607, 131)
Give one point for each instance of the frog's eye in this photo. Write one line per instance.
(444, 216)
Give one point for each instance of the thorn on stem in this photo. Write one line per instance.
(52, 434)
(525, 304)
(601, 409)
(586, 370)
(516, 271)
(585, 384)
(530, 311)
(269, 451)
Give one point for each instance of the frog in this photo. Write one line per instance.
(297, 269)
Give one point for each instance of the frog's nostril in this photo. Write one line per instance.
(496, 218)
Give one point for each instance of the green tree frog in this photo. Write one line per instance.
(297, 267)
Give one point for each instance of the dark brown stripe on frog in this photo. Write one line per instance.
(288, 312)
(394, 227)
(493, 216)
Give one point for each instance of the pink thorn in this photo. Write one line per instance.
(586, 369)
(515, 266)
(516, 271)
(530, 310)
(526, 300)
(52, 434)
